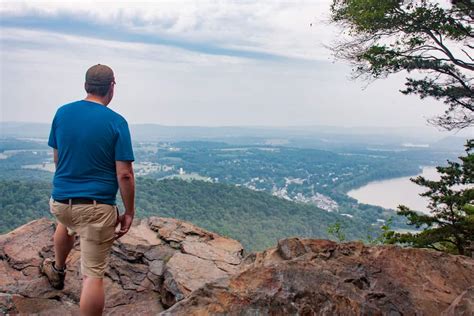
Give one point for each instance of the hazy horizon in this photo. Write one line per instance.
(426, 127)
(409, 133)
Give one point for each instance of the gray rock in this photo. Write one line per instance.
(156, 267)
(185, 273)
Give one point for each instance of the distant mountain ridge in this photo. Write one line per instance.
(312, 136)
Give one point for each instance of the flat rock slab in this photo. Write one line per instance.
(22, 246)
(208, 252)
(186, 273)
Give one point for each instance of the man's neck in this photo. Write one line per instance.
(95, 99)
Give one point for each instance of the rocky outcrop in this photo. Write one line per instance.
(319, 277)
(172, 267)
(159, 262)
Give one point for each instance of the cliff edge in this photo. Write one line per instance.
(172, 267)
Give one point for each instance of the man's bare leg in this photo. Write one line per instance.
(63, 244)
(92, 296)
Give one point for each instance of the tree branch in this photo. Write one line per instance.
(469, 56)
(448, 53)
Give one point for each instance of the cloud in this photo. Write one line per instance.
(256, 30)
(33, 42)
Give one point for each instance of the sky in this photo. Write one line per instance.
(199, 63)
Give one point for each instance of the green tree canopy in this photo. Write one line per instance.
(431, 41)
(450, 226)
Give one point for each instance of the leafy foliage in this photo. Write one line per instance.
(382, 235)
(451, 226)
(422, 37)
(336, 230)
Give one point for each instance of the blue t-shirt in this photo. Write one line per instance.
(89, 138)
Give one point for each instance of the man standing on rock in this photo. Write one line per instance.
(93, 156)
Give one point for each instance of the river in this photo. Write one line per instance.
(393, 192)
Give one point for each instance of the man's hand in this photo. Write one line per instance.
(125, 221)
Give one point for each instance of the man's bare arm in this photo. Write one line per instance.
(55, 157)
(126, 181)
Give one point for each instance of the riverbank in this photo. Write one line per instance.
(394, 192)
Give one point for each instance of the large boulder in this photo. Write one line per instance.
(159, 262)
(320, 277)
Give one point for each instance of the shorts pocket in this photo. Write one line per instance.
(59, 210)
(98, 233)
(101, 225)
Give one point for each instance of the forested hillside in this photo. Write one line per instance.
(22, 201)
(257, 219)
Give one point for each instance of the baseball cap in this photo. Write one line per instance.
(100, 75)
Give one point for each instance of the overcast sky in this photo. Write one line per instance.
(207, 63)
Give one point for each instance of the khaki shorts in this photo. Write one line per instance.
(95, 224)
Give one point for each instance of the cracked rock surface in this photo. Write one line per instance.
(159, 262)
(320, 277)
(170, 267)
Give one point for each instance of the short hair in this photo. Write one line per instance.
(98, 90)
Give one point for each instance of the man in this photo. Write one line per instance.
(93, 156)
